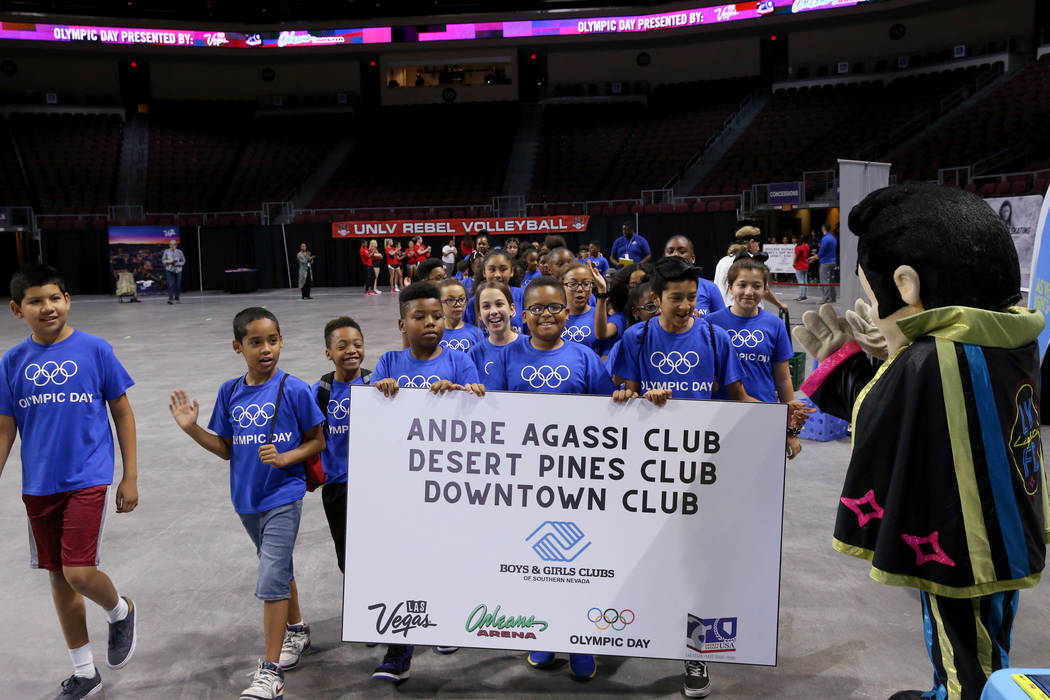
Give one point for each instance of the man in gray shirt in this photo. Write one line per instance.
(173, 260)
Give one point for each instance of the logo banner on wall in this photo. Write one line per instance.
(460, 227)
(1020, 215)
(137, 250)
(1039, 272)
(565, 523)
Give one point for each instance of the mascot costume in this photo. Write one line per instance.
(945, 490)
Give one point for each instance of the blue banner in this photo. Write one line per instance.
(1039, 294)
(781, 193)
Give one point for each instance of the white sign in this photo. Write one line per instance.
(781, 257)
(566, 524)
(1020, 214)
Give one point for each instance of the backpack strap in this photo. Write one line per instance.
(276, 409)
(324, 392)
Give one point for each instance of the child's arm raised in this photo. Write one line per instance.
(185, 414)
(124, 419)
(7, 438)
(313, 443)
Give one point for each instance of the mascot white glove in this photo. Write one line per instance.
(865, 332)
(823, 332)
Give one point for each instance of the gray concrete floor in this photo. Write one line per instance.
(186, 561)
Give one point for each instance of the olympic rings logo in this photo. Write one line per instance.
(545, 376)
(747, 338)
(611, 618)
(50, 372)
(576, 334)
(252, 414)
(339, 409)
(418, 381)
(457, 344)
(674, 362)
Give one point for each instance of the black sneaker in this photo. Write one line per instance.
(695, 681)
(122, 638)
(75, 687)
(395, 665)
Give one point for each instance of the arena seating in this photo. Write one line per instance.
(1014, 115)
(12, 182)
(447, 154)
(70, 160)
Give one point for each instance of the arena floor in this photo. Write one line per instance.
(186, 561)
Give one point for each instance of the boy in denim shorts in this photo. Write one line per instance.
(266, 423)
(54, 389)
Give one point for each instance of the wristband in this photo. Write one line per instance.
(601, 295)
(794, 432)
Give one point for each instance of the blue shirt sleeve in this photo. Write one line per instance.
(7, 403)
(617, 248)
(115, 379)
(644, 245)
(220, 414)
(598, 380)
(382, 370)
(782, 348)
(715, 301)
(626, 362)
(304, 403)
(728, 362)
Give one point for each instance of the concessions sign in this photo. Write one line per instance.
(460, 227)
(565, 523)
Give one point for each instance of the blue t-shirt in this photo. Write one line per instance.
(708, 299)
(571, 369)
(829, 249)
(681, 362)
(599, 262)
(468, 284)
(57, 395)
(516, 321)
(244, 414)
(636, 248)
(610, 358)
(759, 341)
(336, 452)
(579, 328)
(420, 374)
(529, 276)
(461, 339)
(484, 356)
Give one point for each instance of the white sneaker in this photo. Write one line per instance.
(267, 683)
(296, 641)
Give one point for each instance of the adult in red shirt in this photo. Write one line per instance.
(466, 246)
(801, 266)
(370, 257)
(393, 263)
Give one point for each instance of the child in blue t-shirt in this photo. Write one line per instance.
(266, 423)
(424, 364)
(344, 346)
(494, 302)
(459, 335)
(544, 362)
(54, 389)
(497, 266)
(579, 326)
(708, 298)
(611, 313)
(641, 308)
(760, 338)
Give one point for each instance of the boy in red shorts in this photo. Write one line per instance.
(54, 388)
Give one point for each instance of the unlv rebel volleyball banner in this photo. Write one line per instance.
(460, 227)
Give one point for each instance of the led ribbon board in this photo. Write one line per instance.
(412, 34)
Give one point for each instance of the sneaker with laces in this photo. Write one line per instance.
(267, 683)
(122, 638)
(76, 687)
(541, 659)
(395, 664)
(695, 681)
(296, 641)
(445, 650)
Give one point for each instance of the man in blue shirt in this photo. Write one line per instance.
(630, 245)
(828, 257)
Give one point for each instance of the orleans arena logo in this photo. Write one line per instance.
(495, 624)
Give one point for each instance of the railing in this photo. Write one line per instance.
(699, 154)
(508, 205)
(958, 176)
(17, 219)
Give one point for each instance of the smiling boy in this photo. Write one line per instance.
(54, 389)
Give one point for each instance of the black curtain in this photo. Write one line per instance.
(83, 259)
(9, 262)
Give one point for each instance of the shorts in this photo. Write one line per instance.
(65, 529)
(274, 532)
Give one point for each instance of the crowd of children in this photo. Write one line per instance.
(514, 318)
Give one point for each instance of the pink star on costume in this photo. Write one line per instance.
(931, 539)
(868, 500)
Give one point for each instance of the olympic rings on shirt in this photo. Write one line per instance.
(50, 372)
(674, 362)
(545, 376)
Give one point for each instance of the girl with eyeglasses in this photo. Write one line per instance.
(579, 327)
(459, 335)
